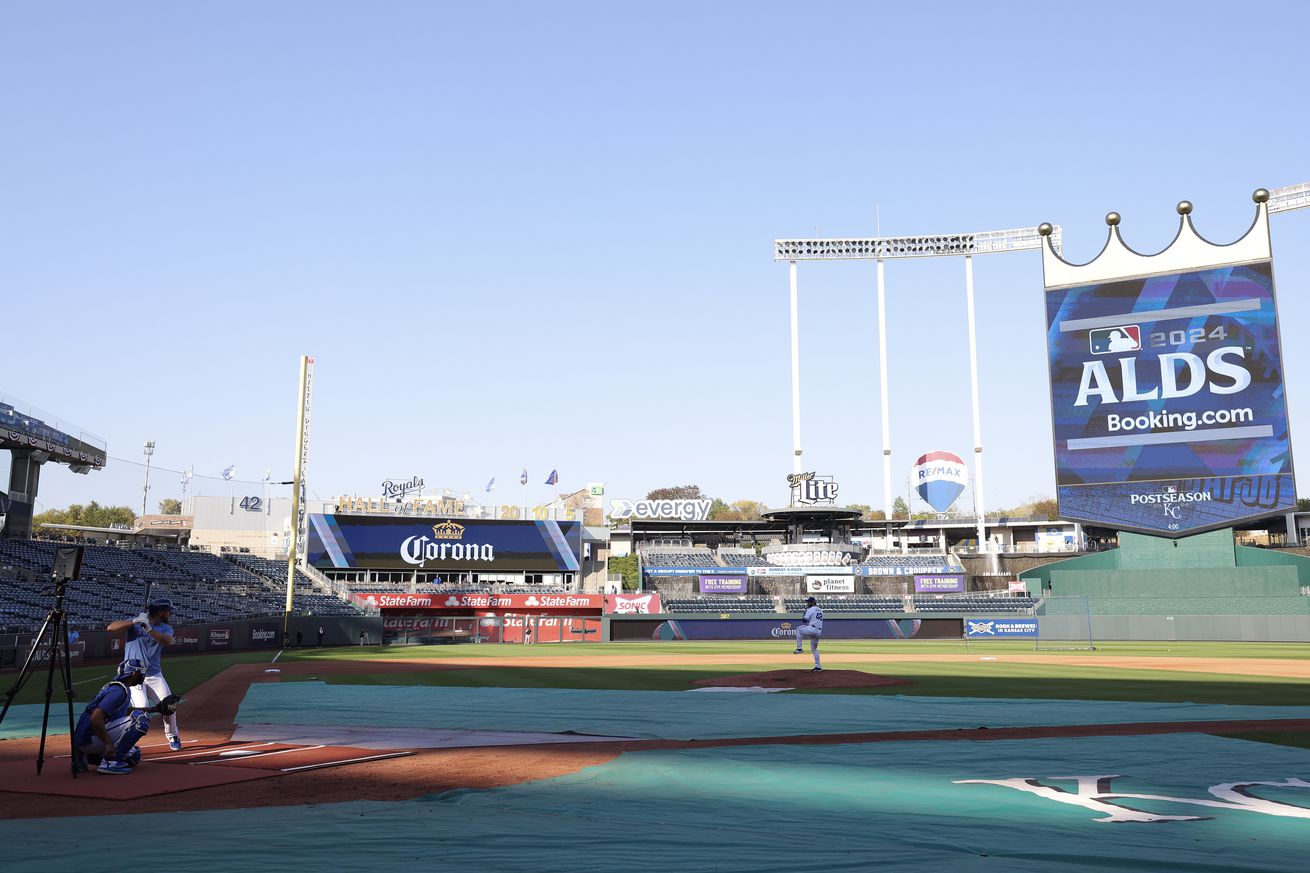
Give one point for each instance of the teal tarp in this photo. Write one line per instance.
(24, 720)
(770, 809)
(694, 715)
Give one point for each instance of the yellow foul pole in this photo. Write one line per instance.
(298, 484)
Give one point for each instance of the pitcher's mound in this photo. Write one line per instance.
(804, 679)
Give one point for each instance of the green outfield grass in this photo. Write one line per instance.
(1074, 678)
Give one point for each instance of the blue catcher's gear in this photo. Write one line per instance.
(132, 758)
(130, 666)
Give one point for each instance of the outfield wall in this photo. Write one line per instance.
(1213, 628)
(225, 636)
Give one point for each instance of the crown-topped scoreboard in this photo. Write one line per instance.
(397, 542)
(1166, 374)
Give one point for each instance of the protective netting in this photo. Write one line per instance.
(772, 809)
(684, 715)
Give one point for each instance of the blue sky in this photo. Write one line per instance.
(540, 235)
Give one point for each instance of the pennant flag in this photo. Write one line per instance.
(229, 471)
(553, 478)
(523, 480)
(491, 486)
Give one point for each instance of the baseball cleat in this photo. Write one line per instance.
(797, 652)
(117, 768)
(817, 670)
(175, 743)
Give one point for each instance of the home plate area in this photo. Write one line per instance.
(203, 765)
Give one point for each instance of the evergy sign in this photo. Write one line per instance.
(677, 510)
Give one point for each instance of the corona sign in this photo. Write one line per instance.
(1166, 373)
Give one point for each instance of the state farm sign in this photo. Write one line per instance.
(465, 602)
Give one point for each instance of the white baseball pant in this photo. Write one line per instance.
(151, 691)
(805, 631)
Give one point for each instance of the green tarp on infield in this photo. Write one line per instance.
(771, 809)
(24, 719)
(694, 715)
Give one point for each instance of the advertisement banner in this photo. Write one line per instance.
(829, 584)
(465, 602)
(220, 638)
(267, 633)
(869, 570)
(784, 629)
(722, 584)
(803, 571)
(633, 604)
(1168, 409)
(998, 628)
(939, 583)
(405, 543)
(690, 571)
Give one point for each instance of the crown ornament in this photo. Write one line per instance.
(1189, 251)
(448, 530)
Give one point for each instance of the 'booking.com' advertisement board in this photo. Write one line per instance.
(407, 543)
(1167, 400)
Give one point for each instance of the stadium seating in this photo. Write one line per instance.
(855, 603)
(690, 557)
(202, 586)
(973, 604)
(718, 605)
(742, 559)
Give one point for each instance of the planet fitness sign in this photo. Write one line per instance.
(1166, 375)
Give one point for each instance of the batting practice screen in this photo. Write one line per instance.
(407, 543)
(1167, 400)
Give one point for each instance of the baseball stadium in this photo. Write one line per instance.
(421, 680)
(845, 540)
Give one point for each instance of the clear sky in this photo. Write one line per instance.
(540, 234)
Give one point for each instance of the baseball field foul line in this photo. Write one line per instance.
(256, 755)
(347, 761)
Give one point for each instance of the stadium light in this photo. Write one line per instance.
(946, 245)
(148, 450)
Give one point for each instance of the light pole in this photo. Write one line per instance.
(145, 489)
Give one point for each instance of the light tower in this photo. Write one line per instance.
(149, 450)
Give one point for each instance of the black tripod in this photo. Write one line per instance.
(68, 563)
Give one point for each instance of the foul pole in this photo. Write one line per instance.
(298, 483)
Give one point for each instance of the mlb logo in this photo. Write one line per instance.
(1108, 340)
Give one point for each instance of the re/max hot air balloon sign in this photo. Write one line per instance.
(939, 479)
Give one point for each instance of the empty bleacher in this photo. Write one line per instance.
(694, 558)
(855, 603)
(203, 587)
(974, 604)
(733, 558)
(718, 605)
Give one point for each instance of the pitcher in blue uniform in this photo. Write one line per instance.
(812, 629)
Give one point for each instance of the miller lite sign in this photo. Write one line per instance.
(808, 489)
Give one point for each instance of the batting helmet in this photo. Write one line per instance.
(163, 604)
(811, 601)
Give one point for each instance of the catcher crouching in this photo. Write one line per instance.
(109, 729)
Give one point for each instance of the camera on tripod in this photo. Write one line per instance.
(52, 639)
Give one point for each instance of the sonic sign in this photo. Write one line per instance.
(1166, 373)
